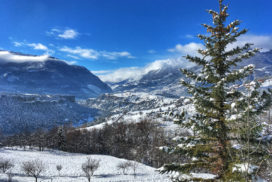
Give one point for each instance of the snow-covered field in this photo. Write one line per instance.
(72, 172)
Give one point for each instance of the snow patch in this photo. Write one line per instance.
(71, 170)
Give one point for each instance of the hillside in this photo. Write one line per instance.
(27, 112)
(135, 106)
(71, 164)
(21, 73)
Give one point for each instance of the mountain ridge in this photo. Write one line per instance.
(49, 75)
(165, 81)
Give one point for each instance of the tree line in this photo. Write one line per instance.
(133, 141)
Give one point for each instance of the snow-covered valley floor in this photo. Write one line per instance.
(71, 171)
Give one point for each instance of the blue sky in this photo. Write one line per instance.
(116, 34)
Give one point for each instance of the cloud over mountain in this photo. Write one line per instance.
(38, 46)
(6, 56)
(264, 42)
(190, 48)
(136, 73)
(35, 46)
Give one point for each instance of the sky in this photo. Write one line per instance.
(119, 38)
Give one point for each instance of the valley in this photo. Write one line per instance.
(135, 91)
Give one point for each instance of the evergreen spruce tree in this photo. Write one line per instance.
(225, 139)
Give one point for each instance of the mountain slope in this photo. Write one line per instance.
(50, 76)
(160, 82)
(26, 113)
(263, 64)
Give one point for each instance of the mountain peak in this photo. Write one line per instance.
(21, 73)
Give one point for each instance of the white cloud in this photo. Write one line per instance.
(264, 42)
(135, 73)
(6, 56)
(68, 34)
(35, 46)
(190, 48)
(17, 44)
(55, 30)
(63, 34)
(115, 55)
(130, 73)
(102, 72)
(151, 51)
(164, 63)
(72, 56)
(38, 46)
(189, 36)
(84, 53)
(94, 54)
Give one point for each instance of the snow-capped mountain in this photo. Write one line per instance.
(158, 92)
(164, 80)
(152, 94)
(263, 64)
(47, 75)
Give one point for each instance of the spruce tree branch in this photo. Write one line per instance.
(240, 58)
(237, 50)
(239, 74)
(197, 60)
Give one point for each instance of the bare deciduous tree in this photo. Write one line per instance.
(59, 168)
(89, 167)
(5, 165)
(134, 166)
(33, 168)
(124, 166)
(10, 175)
